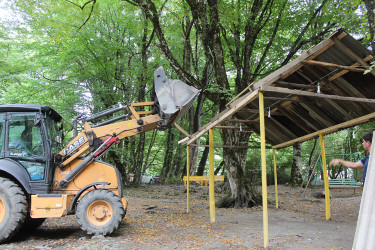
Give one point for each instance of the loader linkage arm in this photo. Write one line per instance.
(172, 98)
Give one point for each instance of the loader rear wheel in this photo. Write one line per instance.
(13, 209)
(100, 212)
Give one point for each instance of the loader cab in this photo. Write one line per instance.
(27, 144)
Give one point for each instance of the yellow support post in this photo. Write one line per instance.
(211, 175)
(275, 174)
(325, 175)
(264, 168)
(187, 180)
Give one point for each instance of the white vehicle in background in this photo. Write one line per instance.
(147, 179)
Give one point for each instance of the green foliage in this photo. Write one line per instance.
(371, 68)
(82, 59)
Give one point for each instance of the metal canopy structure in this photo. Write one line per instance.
(322, 91)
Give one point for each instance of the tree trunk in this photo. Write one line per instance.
(168, 157)
(195, 123)
(370, 6)
(152, 141)
(243, 193)
(217, 170)
(295, 174)
(178, 160)
(243, 34)
(203, 161)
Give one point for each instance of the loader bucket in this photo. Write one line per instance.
(172, 98)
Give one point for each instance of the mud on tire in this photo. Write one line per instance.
(100, 212)
(13, 209)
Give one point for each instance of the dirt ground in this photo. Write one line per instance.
(157, 219)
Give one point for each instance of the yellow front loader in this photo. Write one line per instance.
(39, 180)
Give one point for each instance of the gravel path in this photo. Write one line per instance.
(157, 219)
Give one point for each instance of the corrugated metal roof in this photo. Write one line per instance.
(298, 109)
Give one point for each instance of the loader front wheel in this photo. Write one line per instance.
(100, 212)
(13, 209)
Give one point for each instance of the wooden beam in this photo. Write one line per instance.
(144, 112)
(316, 51)
(333, 65)
(141, 104)
(344, 125)
(343, 72)
(310, 94)
(294, 65)
(240, 94)
(181, 129)
(299, 85)
(281, 99)
(134, 115)
(253, 111)
(349, 52)
(241, 121)
(238, 104)
(289, 68)
(247, 110)
(232, 127)
(227, 146)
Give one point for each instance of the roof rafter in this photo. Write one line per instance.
(320, 95)
(333, 65)
(349, 52)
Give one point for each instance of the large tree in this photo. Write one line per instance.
(247, 40)
(217, 46)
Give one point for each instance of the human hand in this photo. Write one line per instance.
(334, 162)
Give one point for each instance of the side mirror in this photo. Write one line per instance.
(58, 139)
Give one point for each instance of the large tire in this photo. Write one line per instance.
(13, 209)
(31, 223)
(100, 212)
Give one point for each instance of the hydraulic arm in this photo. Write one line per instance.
(172, 98)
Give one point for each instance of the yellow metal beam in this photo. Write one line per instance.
(325, 175)
(188, 181)
(211, 175)
(275, 174)
(351, 123)
(264, 168)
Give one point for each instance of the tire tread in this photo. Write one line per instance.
(18, 209)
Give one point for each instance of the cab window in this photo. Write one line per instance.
(26, 140)
(53, 132)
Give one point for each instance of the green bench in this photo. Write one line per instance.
(343, 183)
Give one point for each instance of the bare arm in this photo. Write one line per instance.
(348, 164)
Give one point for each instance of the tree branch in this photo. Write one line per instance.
(299, 43)
(82, 7)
